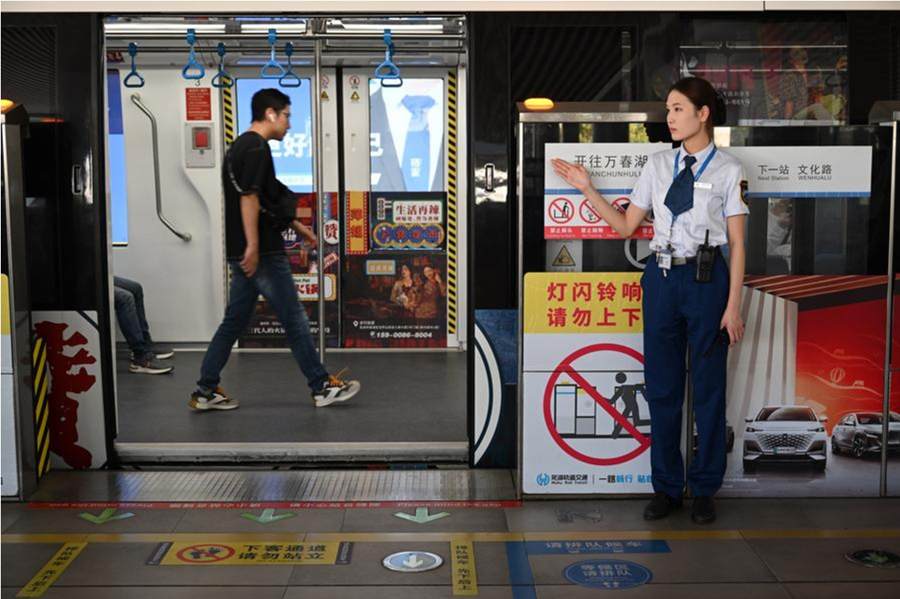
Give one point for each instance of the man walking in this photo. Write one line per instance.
(259, 265)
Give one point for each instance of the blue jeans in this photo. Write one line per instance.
(273, 280)
(129, 301)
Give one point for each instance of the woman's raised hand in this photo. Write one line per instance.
(575, 175)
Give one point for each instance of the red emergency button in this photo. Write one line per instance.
(201, 138)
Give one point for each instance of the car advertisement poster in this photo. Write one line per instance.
(396, 299)
(585, 417)
(568, 214)
(265, 329)
(806, 389)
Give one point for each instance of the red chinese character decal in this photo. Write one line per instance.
(632, 291)
(608, 320)
(63, 408)
(634, 315)
(581, 318)
(556, 317)
(581, 291)
(556, 292)
(606, 291)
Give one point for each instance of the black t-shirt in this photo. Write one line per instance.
(254, 171)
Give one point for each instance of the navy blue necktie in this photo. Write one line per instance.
(416, 164)
(681, 194)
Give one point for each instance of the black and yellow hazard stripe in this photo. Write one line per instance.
(41, 382)
(228, 111)
(451, 205)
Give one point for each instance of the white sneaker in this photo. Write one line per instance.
(217, 400)
(335, 390)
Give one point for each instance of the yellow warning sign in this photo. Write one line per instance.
(465, 582)
(47, 575)
(325, 95)
(251, 554)
(354, 96)
(583, 303)
(564, 258)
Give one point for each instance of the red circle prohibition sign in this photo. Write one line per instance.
(588, 214)
(566, 368)
(205, 555)
(564, 206)
(621, 204)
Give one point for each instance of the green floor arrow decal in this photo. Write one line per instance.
(422, 516)
(268, 516)
(108, 515)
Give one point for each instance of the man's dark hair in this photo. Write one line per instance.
(265, 99)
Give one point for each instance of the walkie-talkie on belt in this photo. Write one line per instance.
(706, 256)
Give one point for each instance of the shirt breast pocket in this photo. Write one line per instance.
(710, 201)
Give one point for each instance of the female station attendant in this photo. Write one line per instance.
(691, 298)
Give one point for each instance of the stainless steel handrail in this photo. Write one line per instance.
(319, 186)
(136, 98)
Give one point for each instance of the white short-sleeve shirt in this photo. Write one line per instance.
(719, 197)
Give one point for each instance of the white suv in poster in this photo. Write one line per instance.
(860, 433)
(785, 434)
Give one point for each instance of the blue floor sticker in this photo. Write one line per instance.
(607, 574)
(519, 566)
(603, 547)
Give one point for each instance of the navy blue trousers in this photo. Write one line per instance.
(679, 313)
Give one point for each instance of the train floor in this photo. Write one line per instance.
(333, 534)
(405, 398)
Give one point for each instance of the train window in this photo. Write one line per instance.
(785, 70)
(407, 135)
(117, 191)
(293, 154)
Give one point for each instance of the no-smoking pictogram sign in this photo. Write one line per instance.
(561, 211)
(566, 368)
(205, 554)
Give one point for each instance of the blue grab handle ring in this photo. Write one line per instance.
(387, 72)
(272, 64)
(222, 79)
(289, 79)
(192, 62)
(132, 51)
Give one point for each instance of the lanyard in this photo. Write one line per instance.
(696, 177)
(702, 168)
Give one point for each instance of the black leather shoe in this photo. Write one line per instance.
(661, 506)
(704, 510)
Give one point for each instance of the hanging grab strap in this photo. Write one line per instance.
(222, 79)
(289, 79)
(192, 63)
(387, 72)
(132, 51)
(272, 64)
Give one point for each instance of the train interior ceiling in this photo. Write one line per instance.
(395, 275)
